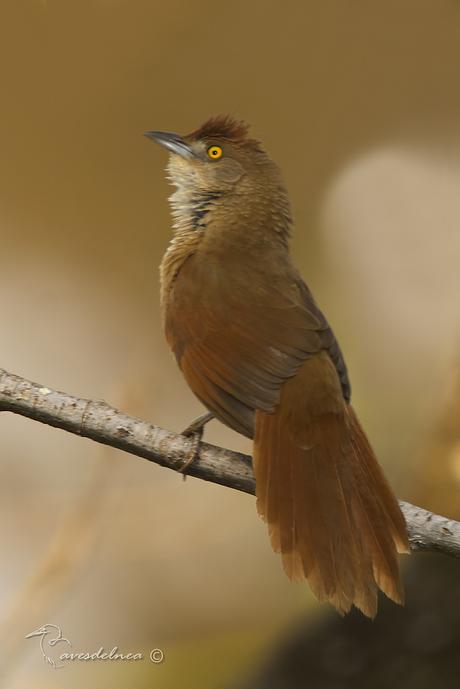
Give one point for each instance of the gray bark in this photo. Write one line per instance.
(100, 422)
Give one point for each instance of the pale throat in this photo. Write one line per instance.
(190, 208)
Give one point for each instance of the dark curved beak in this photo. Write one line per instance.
(173, 142)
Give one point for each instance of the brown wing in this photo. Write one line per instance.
(328, 340)
(238, 337)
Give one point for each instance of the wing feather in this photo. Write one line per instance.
(238, 340)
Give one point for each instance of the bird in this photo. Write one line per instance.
(257, 351)
(43, 633)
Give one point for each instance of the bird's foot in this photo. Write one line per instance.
(195, 431)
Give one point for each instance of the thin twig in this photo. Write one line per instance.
(104, 424)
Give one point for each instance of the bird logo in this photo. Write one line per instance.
(50, 635)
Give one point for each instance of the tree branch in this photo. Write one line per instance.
(98, 421)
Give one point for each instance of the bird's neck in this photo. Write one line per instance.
(190, 209)
(245, 225)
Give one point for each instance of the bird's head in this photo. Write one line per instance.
(219, 166)
(214, 158)
(41, 631)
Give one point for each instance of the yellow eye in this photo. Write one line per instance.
(215, 152)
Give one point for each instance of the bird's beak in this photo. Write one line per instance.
(37, 632)
(173, 142)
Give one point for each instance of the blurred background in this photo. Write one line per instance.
(359, 104)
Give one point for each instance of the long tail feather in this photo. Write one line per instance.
(330, 511)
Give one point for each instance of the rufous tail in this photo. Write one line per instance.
(330, 511)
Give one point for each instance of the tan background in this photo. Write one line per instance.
(359, 103)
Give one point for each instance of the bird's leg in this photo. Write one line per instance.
(195, 430)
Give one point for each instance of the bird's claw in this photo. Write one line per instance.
(194, 431)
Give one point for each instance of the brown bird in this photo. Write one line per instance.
(257, 351)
